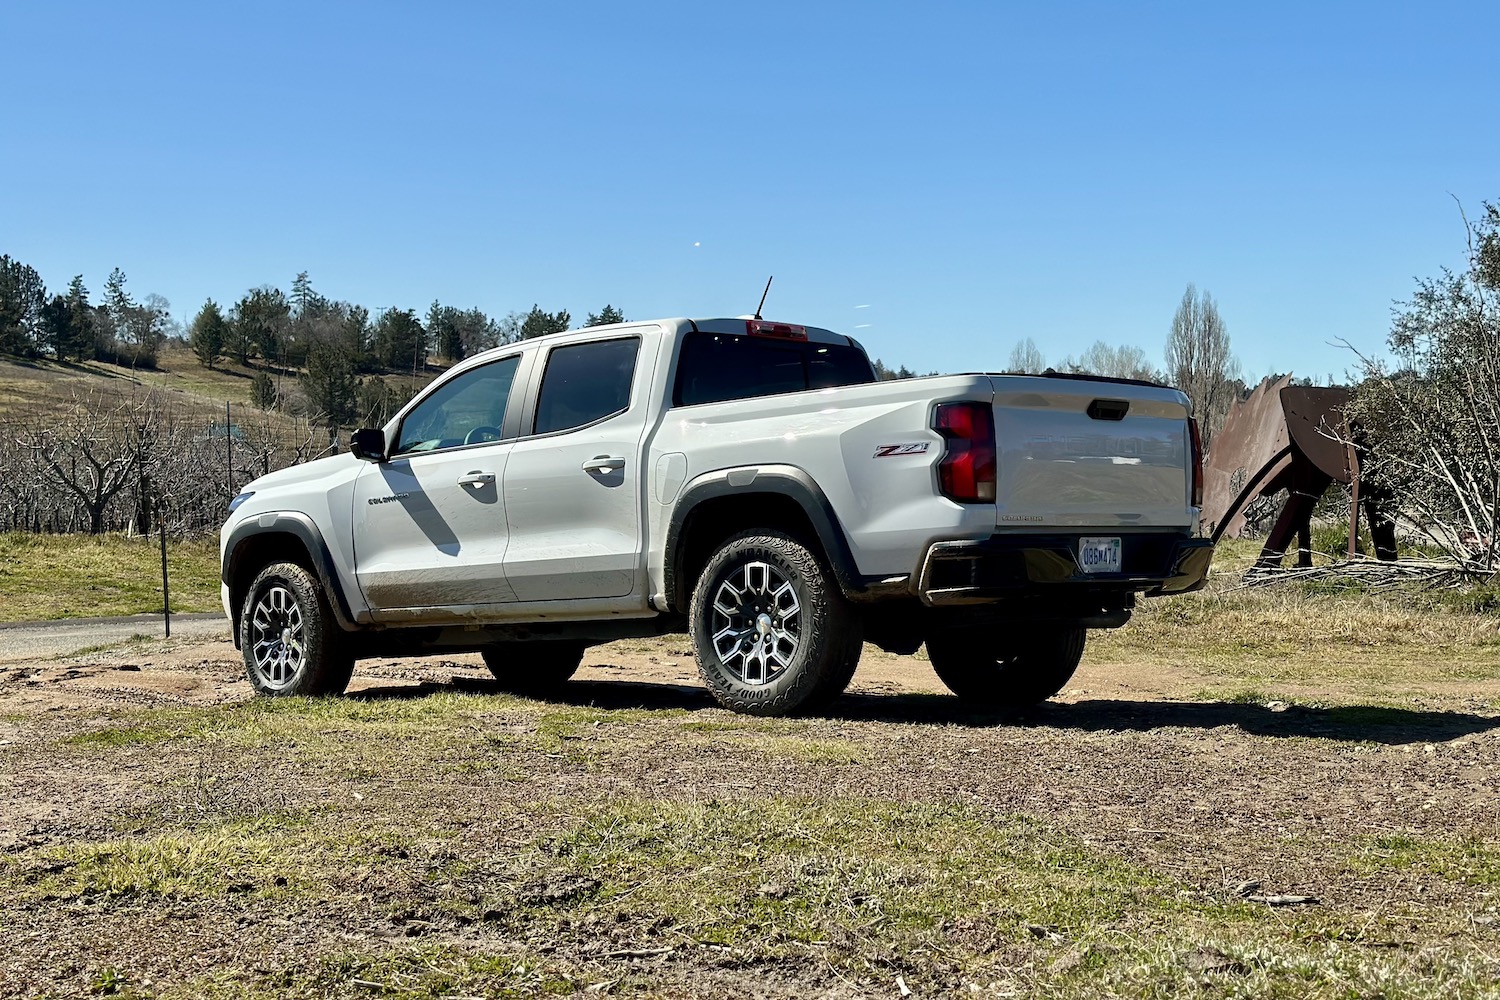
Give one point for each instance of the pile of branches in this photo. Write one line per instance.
(1371, 574)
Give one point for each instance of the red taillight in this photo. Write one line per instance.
(966, 472)
(785, 331)
(1197, 462)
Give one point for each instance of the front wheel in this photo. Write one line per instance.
(1007, 672)
(289, 639)
(771, 630)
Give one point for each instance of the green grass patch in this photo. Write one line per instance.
(258, 856)
(749, 873)
(415, 971)
(123, 737)
(1471, 860)
(44, 577)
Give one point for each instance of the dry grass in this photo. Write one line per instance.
(672, 853)
(1388, 644)
(636, 841)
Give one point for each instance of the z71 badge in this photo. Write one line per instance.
(910, 448)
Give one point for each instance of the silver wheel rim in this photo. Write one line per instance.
(276, 643)
(756, 623)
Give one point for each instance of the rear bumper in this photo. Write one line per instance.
(1007, 566)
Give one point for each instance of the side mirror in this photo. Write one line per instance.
(368, 443)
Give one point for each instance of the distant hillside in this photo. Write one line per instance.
(35, 387)
(97, 447)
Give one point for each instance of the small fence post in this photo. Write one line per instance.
(166, 593)
(228, 453)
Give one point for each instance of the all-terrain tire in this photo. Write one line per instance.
(535, 669)
(291, 642)
(1011, 672)
(772, 632)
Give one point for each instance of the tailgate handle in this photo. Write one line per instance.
(1108, 409)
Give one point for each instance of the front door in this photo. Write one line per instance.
(430, 528)
(573, 482)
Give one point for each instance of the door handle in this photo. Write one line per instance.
(607, 464)
(477, 479)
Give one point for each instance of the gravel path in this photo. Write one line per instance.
(32, 640)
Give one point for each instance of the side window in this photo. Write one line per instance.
(469, 409)
(584, 383)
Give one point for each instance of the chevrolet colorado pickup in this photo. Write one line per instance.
(747, 482)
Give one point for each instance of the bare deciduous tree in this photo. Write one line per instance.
(1199, 361)
(113, 462)
(1104, 359)
(1431, 419)
(1027, 358)
(92, 452)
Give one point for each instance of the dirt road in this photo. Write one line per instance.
(39, 640)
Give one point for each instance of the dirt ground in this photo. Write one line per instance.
(1356, 836)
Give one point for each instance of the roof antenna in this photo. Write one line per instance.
(763, 296)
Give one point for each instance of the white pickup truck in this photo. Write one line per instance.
(747, 482)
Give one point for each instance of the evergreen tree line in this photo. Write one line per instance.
(68, 326)
(336, 353)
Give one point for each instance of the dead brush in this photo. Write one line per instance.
(213, 794)
(1312, 613)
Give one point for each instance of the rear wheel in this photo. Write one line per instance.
(1009, 672)
(288, 635)
(533, 668)
(772, 632)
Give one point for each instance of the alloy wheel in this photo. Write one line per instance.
(276, 636)
(756, 622)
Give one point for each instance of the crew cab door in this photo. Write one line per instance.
(429, 523)
(573, 482)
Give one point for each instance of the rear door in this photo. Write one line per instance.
(429, 524)
(573, 481)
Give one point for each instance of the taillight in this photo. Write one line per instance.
(1197, 462)
(967, 470)
(783, 331)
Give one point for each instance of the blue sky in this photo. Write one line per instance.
(969, 173)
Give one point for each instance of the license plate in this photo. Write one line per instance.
(1099, 555)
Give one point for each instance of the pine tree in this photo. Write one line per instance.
(83, 326)
(330, 385)
(539, 324)
(57, 326)
(400, 340)
(22, 296)
(262, 391)
(606, 316)
(208, 334)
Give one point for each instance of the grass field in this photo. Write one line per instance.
(71, 576)
(1244, 793)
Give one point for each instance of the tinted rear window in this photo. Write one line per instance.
(584, 383)
(716, 366)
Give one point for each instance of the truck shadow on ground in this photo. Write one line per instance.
(1352, 723)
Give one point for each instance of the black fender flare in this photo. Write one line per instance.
(781, 480)
(301, 527)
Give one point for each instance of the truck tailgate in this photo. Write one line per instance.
(1083, 453)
